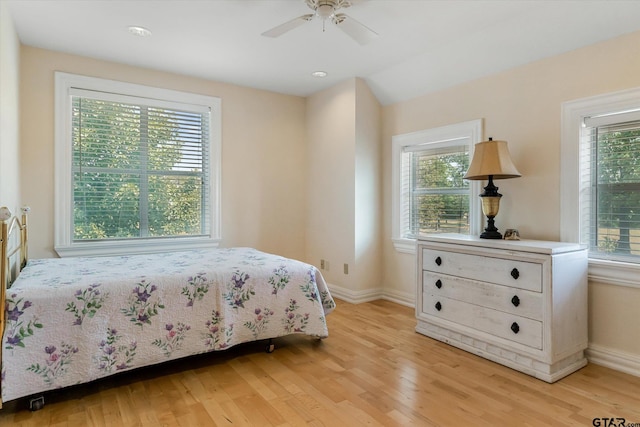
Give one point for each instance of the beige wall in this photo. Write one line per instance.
(522, 106)
(263, 152)
(9, 105)
(343, 221)
(331, 180)
(367, 267)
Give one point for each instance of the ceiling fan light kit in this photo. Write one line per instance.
(139, 31)
(327, 10)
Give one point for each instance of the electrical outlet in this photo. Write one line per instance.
(322, 264)
(346, 269)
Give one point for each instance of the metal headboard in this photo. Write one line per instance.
(8, 224)
(9, 271)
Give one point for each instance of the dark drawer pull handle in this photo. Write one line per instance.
(515, 328)
(515, 273)
(438, 261)
(438, 283)
(515, 301)
(438, 306)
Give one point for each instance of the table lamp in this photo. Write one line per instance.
(491, 160)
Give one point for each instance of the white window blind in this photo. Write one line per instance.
(428, 193)
(610, 186)
(140, 167)
(435, 198)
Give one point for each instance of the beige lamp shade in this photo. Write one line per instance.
(491, 158)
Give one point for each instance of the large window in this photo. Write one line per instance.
(436, 197)
(611, 181)
(600, 203)
(137, 167)
(429, 193)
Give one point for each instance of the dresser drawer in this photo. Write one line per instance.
(510, 300)
(497, 323)
(502, 271)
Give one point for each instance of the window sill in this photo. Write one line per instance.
(123, 247)
(614, 272)
(406, 246)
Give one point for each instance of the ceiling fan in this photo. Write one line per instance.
(328, 10)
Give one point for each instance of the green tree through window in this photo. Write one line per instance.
(439, 196)
(139, 171)
(615, 190)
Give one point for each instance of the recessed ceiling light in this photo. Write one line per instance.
(319, 74)
(139, 31)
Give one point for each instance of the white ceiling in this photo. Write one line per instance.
(423, 45)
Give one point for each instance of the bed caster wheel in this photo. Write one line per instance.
(36, 404)
(270, 346)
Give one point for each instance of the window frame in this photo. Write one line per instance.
(64, 244)
(572, 118)
(436, 138)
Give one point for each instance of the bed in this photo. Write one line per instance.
(69, 321)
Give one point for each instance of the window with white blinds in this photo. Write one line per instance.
(429, 193)
(610, 186)
(137, 168)
(435, 197)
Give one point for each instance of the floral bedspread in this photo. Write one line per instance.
(73, 320)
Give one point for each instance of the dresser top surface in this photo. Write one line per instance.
(536, 246)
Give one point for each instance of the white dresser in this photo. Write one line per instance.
(519, 303)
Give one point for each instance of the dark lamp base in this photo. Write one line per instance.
(491, 235)
(491, 232)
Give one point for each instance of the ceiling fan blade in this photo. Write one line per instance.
(354, 29)
(288, 26)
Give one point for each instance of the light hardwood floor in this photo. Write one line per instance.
(372, 370)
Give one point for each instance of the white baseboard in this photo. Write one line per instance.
(357, 297)
(614, 359)
(401, 298)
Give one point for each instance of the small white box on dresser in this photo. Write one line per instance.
(521, 303)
